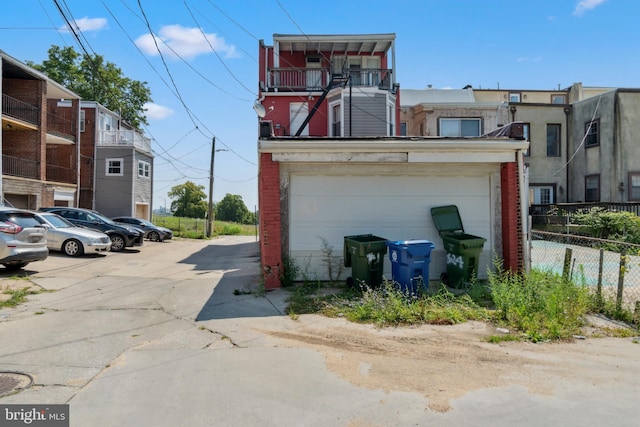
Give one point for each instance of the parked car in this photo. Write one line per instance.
(121, 236)
(22, 238)
(151, 231)
(63, 236)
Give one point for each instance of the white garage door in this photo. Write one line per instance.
(324, 209)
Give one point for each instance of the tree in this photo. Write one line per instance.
(189, 200)
(94, 79)
(233, 209)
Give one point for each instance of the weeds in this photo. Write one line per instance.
(18, 296)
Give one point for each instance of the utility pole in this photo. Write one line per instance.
(210, 219)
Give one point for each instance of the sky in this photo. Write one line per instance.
(204, 82)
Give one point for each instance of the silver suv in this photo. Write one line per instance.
(22, 238)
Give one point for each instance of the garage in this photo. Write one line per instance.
(313, 192)
(325, 207)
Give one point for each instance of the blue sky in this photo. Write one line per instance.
(511, 44)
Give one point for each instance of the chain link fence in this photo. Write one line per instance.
(610, 268)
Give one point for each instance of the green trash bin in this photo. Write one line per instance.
(365, 253)
(463, 250)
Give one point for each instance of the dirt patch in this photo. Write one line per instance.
(446, 362)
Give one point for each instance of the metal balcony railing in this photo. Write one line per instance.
(306, 79)
(124, 137)
(15, 166)
(20, 110)
(61, 174)
(61, 126)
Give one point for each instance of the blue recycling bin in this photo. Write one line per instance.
(410, 264)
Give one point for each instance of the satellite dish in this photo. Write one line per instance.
(259, 109)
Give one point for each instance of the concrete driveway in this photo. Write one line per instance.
(177, 334)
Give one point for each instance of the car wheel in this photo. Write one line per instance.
(15, 267)
(154, 236)
(72, 247)
(117, 243)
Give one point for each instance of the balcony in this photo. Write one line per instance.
(61, 174)
(16, 109)
(317, 79)
(124, 138)
(24, 168)
(60, 130)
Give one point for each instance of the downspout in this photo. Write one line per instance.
(1, 188)
(78, 162)
(567, 112)
(524, 215)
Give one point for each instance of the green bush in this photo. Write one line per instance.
(542, 305)
(603, 224)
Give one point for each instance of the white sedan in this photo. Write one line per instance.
(63, 236)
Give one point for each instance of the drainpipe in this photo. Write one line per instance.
(567, 112)
(1, 188)
(524, 215)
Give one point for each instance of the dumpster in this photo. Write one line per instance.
(410, 264)
(463, 250)
(364, 254)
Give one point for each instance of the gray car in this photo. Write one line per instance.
(22, 238)
(151, 231)
(63, 236)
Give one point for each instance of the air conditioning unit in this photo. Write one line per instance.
(266, 129)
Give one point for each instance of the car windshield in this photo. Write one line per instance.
(57, 221)
(97, 217)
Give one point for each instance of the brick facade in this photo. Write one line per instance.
(270, 221)
(511, 221)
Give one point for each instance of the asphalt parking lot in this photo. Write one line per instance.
(178, 334)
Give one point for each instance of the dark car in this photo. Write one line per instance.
(151, 231)
(22, 238)
(121, 235)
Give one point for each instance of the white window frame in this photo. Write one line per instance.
(82, 120)
(144, 169)
(109, 165)
(333, 120)
(514, 97)
(536, 194)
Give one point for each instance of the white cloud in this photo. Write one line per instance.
(185, 42)
(87, 24)
(156, 111)
(584, 5)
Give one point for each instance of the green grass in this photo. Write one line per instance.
(18, 296)
(195, 228)
(537, 306)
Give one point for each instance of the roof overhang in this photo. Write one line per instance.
(436, 150)
(359, 43)
(12, 68)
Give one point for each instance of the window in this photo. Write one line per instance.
(634, 186)
(541, 194)
(144, 169)
(592, 188)
(336, 120)
(558, 99)
(82, 120)
(514, 97)
(553, 140)
(526, 132)
(403, 128)
(115, 167)
(460, 127)
(592, 133)
(421, 129)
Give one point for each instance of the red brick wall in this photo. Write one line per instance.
(270, 221)
(511, 219)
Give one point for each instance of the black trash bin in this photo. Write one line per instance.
(364, 253)
(463, 250)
